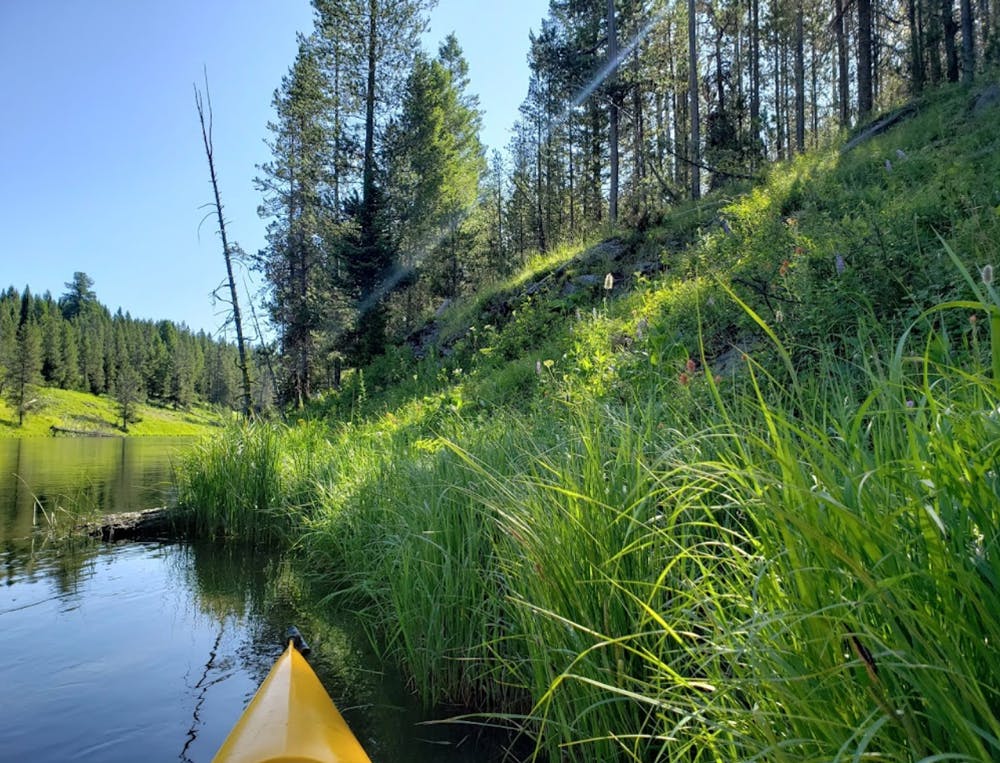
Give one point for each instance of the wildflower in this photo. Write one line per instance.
(717, 379)
(799, 250)
(690, 366)
(910, 403)
(987, 274)
(683, 378)
(840, 264)
(538, 367)
(609, 282)
(888, 166)
(900, 153)
(973, 319)
(779, 316)
(790, 222)
(783, 270)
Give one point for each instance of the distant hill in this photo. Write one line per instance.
(72, 413)
(76, 344)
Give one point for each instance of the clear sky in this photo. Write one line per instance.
(101, 163)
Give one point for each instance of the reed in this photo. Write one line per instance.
(231, 485)
(805, 570)
(827, 576)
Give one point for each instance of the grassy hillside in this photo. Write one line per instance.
(738, 500)
(79, 411)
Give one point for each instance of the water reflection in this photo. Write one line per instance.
(150, 651)
(45, 480)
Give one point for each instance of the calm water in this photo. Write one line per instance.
(150, 651)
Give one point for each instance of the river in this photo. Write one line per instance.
(150, 651)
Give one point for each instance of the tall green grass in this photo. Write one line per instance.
(805, 571)
(819, 582)
(639, 561)
(230, 486)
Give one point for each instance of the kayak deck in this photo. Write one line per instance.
(291, 719)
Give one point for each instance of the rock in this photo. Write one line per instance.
(986, 100)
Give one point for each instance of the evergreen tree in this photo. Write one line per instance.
(435, 165)
(69, 377)
(297, 189)
(25, 366)
(386, 34)
(128, 393)
(8, 335)
(79, 297)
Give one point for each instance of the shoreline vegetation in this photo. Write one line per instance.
(68, 413)
(745, 508)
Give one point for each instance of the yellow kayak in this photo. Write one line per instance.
(291, 719)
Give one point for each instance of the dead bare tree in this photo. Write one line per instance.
(206, 135)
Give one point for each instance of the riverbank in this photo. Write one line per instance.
(723, 489)
(70, 413)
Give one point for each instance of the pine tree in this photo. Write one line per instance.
(69, 377)
(297, 189)
(25, 366)
(128, 393)
(387, 34)
(436, 161)
(79, 296)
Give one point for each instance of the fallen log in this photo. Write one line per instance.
(149, 524)
(80, 432)
(880, 126)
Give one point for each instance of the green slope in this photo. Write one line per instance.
(741, 505)
(82, 412)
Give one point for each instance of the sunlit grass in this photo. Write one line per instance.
(82, 412)
(747, 512)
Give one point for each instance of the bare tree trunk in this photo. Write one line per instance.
(755, 75)
(693, 97)
(572, 189)
(206, 136)
(933, 26)
(814, 89)
(800, 80)
(336, 133)
(613, 134)
(539, 211)
(779, 124)
(595, 161)
(865, 103)
(950, 29)
(968, 43)
(916, 49)
(843, 69)
(638, 132)
(368, 176)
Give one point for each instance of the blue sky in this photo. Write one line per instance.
(102, 168)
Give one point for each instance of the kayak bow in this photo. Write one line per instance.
(291, 719)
